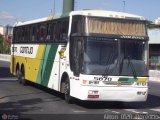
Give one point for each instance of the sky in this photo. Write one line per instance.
(12, 11)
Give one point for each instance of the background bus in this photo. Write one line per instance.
(90, 55)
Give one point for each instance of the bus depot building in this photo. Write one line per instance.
(154, 48)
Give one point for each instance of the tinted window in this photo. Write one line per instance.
(53, 31)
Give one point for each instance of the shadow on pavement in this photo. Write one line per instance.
(152, 102)
(5, 72)
(19, 106)
(45, 89)
(28, 104)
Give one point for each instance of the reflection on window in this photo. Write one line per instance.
(100, 52)
(133, 49)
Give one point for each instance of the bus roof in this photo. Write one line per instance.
(98, 13)
(34, 21)
(110, 14)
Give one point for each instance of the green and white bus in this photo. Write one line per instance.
(90, 55)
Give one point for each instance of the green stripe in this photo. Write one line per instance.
(127, 79)
(47, 64)
(39, 77)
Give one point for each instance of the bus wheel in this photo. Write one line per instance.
(68, 98)
(18, 75)
(22, 79)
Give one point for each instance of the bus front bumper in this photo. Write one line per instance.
(126, 94)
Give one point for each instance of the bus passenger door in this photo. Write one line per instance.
(62, 62)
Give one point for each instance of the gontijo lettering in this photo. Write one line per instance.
(27, 50)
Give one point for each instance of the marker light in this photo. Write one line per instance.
(84, 81)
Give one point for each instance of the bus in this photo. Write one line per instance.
(91, 55)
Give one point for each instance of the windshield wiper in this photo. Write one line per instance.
(132, 67)
(106, 72)
(121, 65)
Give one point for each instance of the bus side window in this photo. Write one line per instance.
(27, 39)
(43, 32)
(32, 33)
(49, 27)
(54, 31)
(25, 34)
(57, 31)
(19, 35)
(78, 24)
(60, 31)
(37, 32)
(64, 30)
(24, 38)
(22, 34)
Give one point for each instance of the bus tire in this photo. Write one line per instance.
(23, 81)
(22, 78)
(68, 98)
(18, 76)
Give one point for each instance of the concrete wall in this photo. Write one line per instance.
(154, 48)
(154, 75)
(154, 36)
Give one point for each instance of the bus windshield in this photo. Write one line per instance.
(105, 56)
